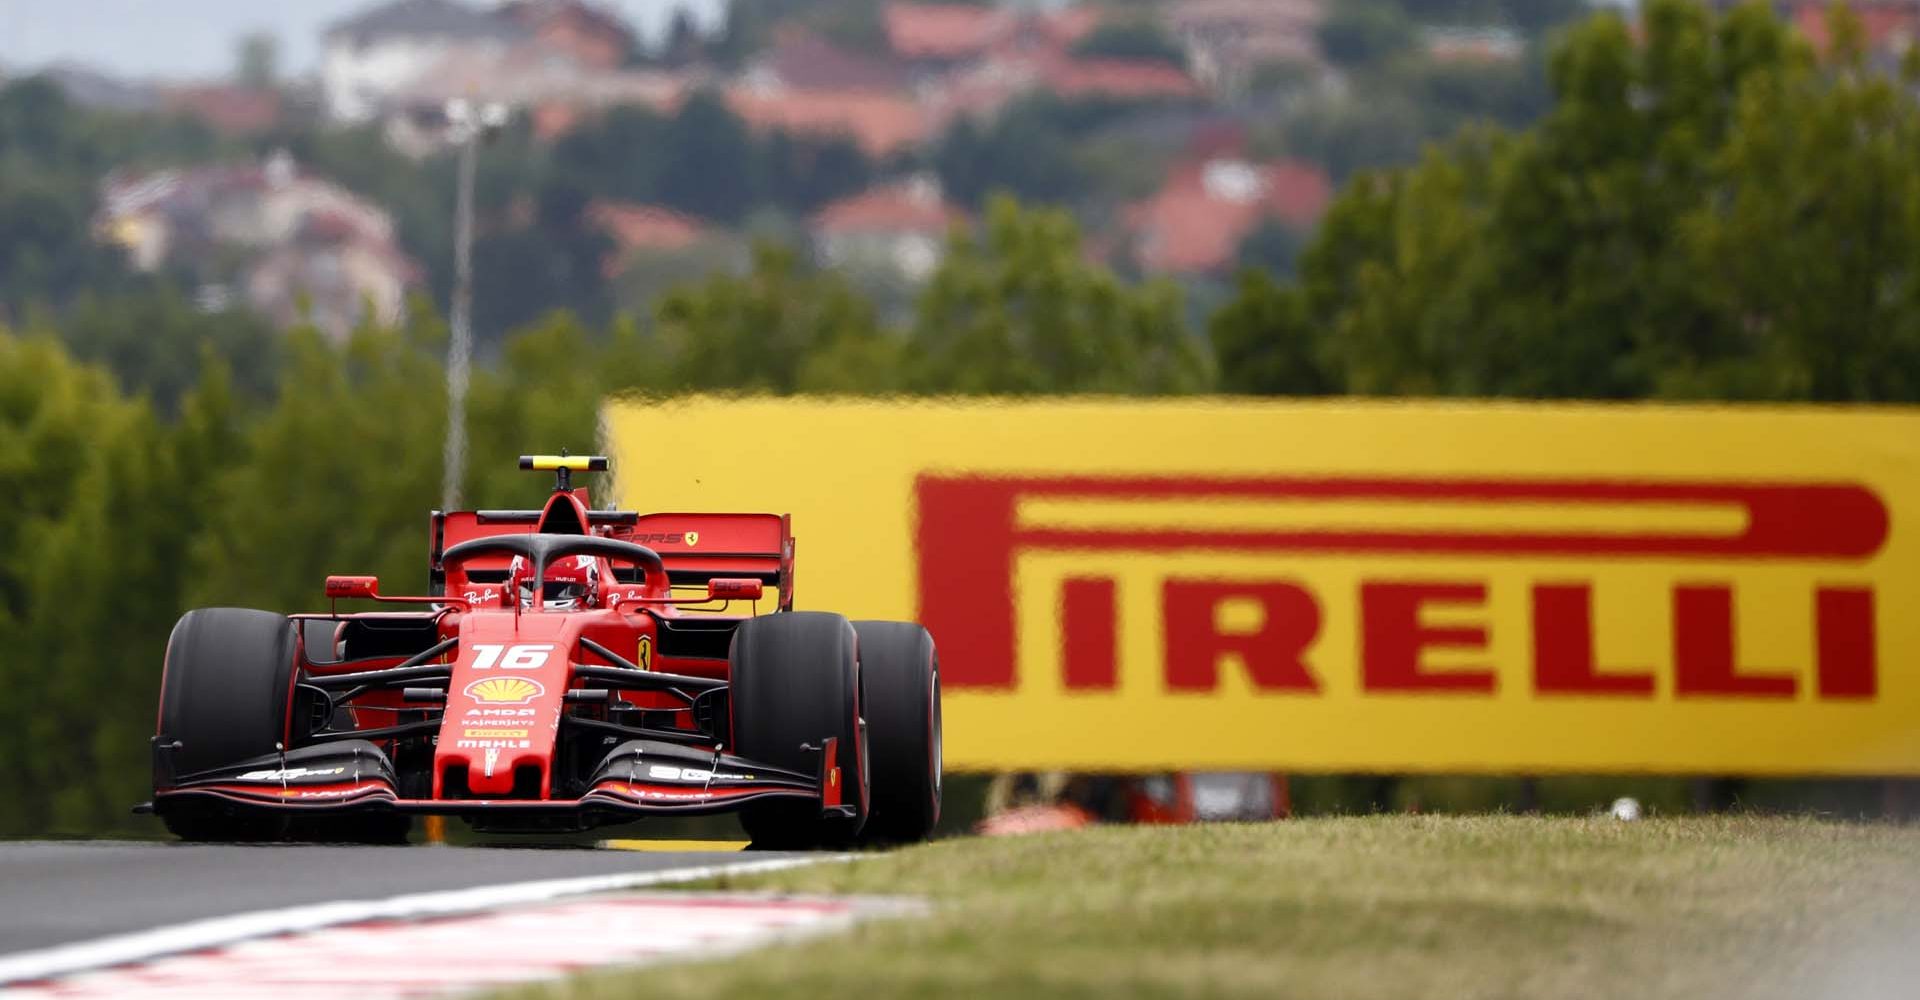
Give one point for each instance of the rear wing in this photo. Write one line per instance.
(695, 547)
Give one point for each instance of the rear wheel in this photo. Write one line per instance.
(900, 678)
(223, 700)
(795, 681)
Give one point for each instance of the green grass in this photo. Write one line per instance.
(1386, 907)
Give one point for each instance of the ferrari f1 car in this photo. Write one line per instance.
(570, 668)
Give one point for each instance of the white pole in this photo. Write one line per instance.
(460, 345)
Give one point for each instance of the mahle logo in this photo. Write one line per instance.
(504, 690)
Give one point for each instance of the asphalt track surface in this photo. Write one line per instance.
(61, 893)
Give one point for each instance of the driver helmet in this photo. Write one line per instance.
(572, 582)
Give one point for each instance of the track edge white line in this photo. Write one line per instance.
(214, 932)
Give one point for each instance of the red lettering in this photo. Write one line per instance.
(1272, 652)
(1703, 660)
(1563, 657)
(1392, 638)
(1843, 620)
(1087, 634)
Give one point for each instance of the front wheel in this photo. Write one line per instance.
(794, 682)
(223, 700)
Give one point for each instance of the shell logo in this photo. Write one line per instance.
(504, 690)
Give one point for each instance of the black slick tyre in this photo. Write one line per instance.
(223, 700)
(900, 688)
(794, 682)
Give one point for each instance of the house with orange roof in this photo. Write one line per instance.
(881, 124)
(1889, 27)
(1118, 79)
(228, 108)
(636, 229)
(903, 225)
(590, 35)
(800, 59)
(938, 37)
(1195, 223)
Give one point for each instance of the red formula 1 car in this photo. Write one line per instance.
(560, 676)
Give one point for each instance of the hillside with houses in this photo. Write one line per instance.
(644, 146)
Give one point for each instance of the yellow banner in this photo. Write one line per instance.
(1352, 586)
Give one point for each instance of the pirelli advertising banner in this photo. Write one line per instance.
(1352, 586)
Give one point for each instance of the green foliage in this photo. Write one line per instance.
(92, 562)
(1019, 310)
(1705, 213)
(342, 470)
(702, 160)
(1141, 38)
(256, 61)
(155, 342)
(1272, 246)
(1033, 150)
(783, 327)
(1365, 32)
(1265, 343)
(1391, 109)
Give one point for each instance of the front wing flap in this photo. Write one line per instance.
(637, 778)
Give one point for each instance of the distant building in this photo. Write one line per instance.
(971, 60)
(1889, 27)
(227, 108)
(799, 59)
(881, 124)
(640, 228)
(369, 56)
(1195, 223)
(593, 37)
(1484, 44)
(301, 247)
(902, 226)
(935, 37)
(1227, 40)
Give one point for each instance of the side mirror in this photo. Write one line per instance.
(341, 587)
(727, 588)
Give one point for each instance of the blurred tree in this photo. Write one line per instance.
(1265, 343)
(86, 474)
(1351, 133)
(647, 275)
(1705, 212)
(1357, 33)
(1272, 246)
(1806, 248)
(1027, 151)
(703, 161)
(709, 168)
(325, 493)
(257, 61)
(544, 396)
(157, 344)
(555, 260)
(1019, 310)
(1132, 38)
(783, 327)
